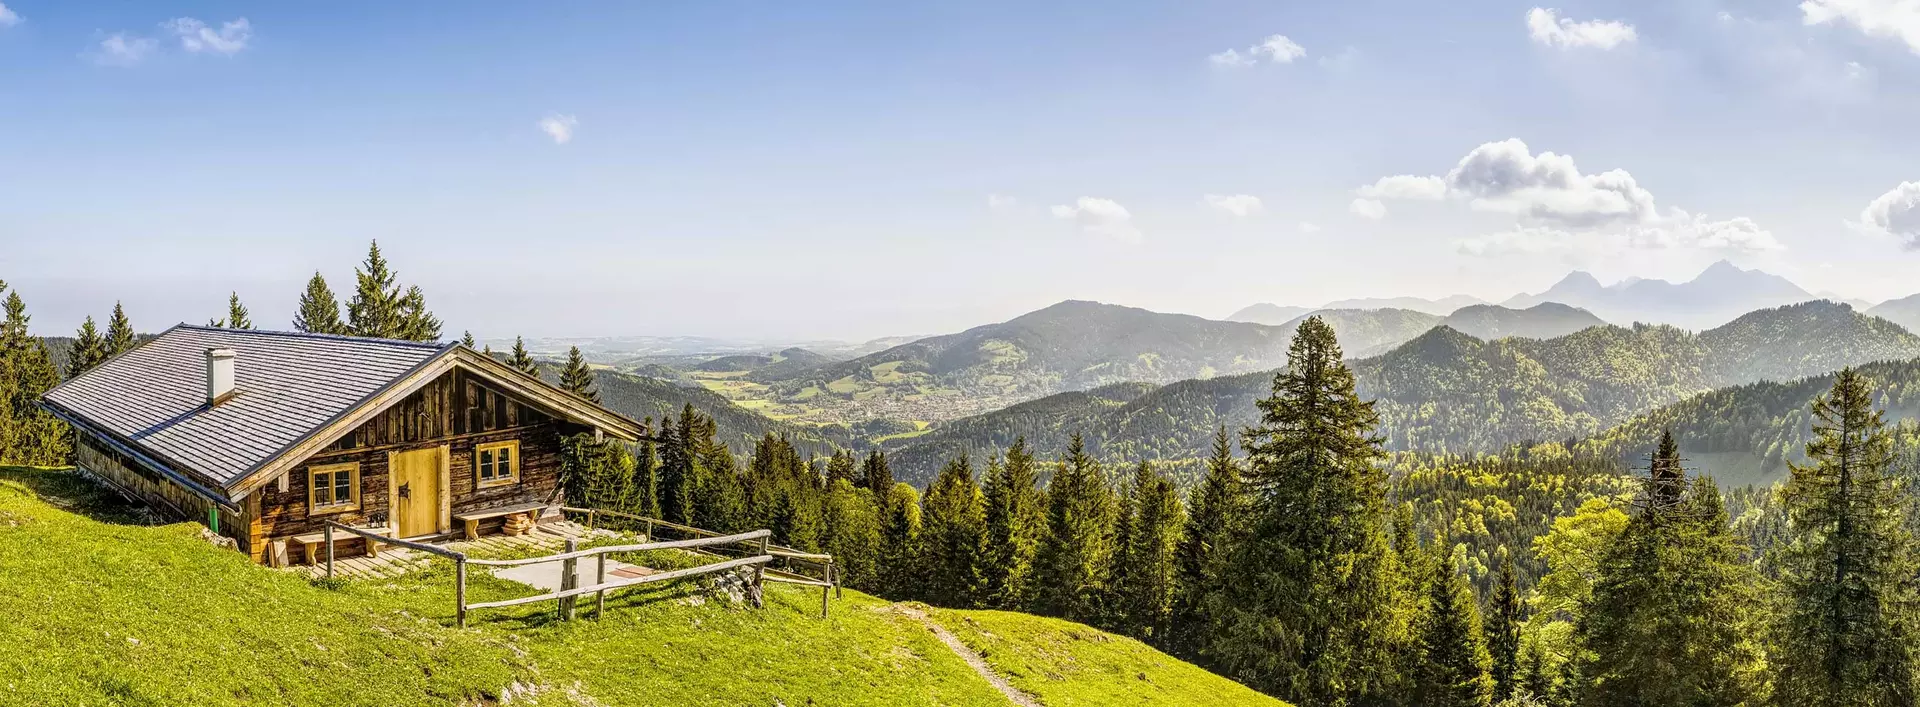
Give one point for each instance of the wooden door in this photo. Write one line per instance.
(415, 477)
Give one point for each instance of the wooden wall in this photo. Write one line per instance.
(135, 480)
(456, 410)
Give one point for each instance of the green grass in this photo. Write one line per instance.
(1069, 665)
(104, 609)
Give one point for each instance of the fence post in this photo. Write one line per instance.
(649, 530)
(760, 571)
(460, 590)
(569, 579)
(591, 512)
(328, 531)
(833, 577)
(600, 577)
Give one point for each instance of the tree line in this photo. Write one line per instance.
(1300, 568)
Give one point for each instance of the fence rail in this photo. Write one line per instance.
(570, 589)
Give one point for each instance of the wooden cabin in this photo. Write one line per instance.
(264, 436)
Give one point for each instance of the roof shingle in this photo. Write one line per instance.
(286, 386)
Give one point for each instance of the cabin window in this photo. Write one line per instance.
(497, 464)
(333, 488)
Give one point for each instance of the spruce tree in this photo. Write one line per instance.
(875, 475)
(318, 311)
(1313, 614)
(1145, 567)
(899, 576)
(89, 349)
(853, 534)
(646, 474)
(1666, 621)
(416, 323)
(841, 467)
(28, 434)
(952, 531)
(1454, 665)
(1016, 517)
(1847, 634)
(1213, 530)
(522, 361)
(577, 378)
(1071, 567)
(1503, 630)
(466, 339)
(120, 336)
(375, 308)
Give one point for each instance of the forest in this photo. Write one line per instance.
(1304, 555)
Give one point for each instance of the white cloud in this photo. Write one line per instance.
(1371, 209)
(1886, 19)
(1241, 205)
(1309, 227)
(1546, 27)
(1895, 214)
(8, 17)
(122, 49)
(1001, 204)
(1231, 58)
(1557, 207)
(1405, 186)
(1276, 48)
(559, 127)
(196, 37)
(1102, 217)
(1507, 177)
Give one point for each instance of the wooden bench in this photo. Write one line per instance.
(471, 519)
(312, 543)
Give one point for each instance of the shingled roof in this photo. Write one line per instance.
(286, 385)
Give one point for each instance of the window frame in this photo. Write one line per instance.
(513, 448)
(353, 481)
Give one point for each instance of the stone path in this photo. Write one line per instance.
(972, 658)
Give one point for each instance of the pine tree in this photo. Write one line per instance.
(466, 339)
(120, 336)
(1314, 612)
(953, 528)
(853, 534)
(841, 467)
(1145, 567)
(679, 475)
(1454, 664)
(376, 306)
(1846, 635)
(522, 361)
(577, 378)
(899, 571)
(875, 475)
(416, 323)
(28, 434)
(1666, 622)
(318, 311)
(89, 349)
(237, 317)
(1016, 517)
(1212, 532)
(646, 474)
(1503, 630)
(1070, 569)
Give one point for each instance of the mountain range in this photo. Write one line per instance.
(1268, 313)
(1717, 295)
(1446, 391)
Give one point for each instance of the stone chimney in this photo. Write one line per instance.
(219, 375)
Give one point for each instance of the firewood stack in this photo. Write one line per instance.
(517, 524)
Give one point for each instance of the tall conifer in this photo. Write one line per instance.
(1503, 629)
(120, 336)
(1016, 520)
(1070, 569)
(577, 378)
(1847, 633)
(318, 311)
(1212, 532)
(1454, 665)
(1145, 567)
(1314, 611)
(875, 475)
(953, 528)
(237, 315)
(899, 572)
(522, 361)
(89, 349)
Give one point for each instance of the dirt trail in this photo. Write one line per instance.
(973, 659)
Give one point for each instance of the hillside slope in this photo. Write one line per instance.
(166, 614)
(1448, 392)
(1904, 311)
(641, 398)
(1069, 346)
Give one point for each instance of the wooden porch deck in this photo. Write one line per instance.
(392, 561)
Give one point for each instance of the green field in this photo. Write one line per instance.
(105, 609)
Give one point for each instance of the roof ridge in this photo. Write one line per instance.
(428, 345)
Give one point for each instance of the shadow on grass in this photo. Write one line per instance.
(68, 490)
(638, 598)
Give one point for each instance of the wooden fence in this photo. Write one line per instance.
(567, 596)
(828, 581)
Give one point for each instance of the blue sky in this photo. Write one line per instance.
(849, 170)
